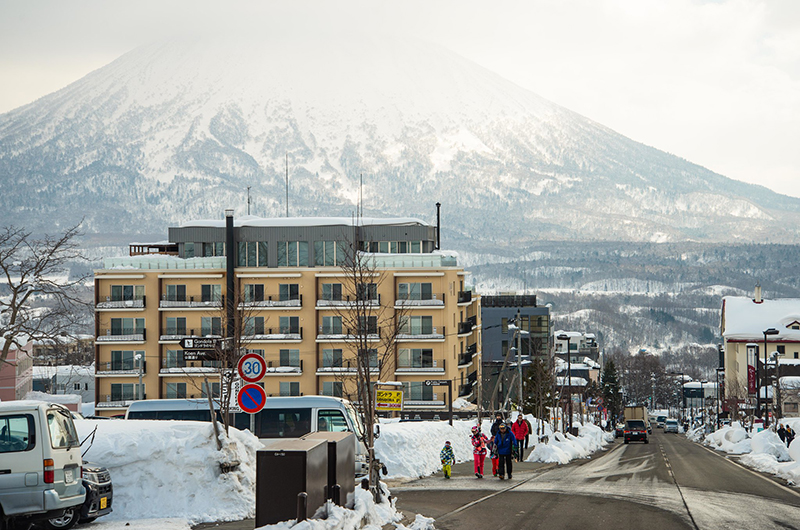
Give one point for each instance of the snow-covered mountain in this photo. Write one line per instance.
(179, 129)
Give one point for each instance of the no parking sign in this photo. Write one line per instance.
(251, 398)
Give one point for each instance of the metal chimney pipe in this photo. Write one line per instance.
(230, 253)
(438, 226)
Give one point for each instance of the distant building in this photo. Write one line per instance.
(16, 374)
(581, 345)
(499, 341)
(65, 380)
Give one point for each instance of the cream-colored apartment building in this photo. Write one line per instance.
(294, 292)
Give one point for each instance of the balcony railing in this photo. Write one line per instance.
(464, 359)
(433, 335)
(436, 300)
(191, 303)
(135, 335)
(181, 366)
(269, 302)
(472, 349)
(422, 367)
(275, 367)
(123, 368)
(464, 297)
(464, 328)
(344, 365)
(372, 333)
(276, 334)
(175, 334)
(122, 304)
(464, 390)
(114, 401)
(350, 302)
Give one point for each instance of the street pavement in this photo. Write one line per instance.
(668, 483)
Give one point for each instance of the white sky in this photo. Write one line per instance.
(715, 82)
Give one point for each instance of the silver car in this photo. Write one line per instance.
(671, 426)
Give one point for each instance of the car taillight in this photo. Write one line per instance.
(49, 471)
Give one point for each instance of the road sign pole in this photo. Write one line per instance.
(449, 398)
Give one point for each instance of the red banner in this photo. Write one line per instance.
(751, 380)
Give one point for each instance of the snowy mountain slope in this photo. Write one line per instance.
(179, 129)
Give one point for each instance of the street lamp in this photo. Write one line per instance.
(566, 337)
(719, 396)
(778, 409)
(770, 331)
(683, 398)
(140, 359)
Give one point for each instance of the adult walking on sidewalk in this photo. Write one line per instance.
(498, 419)
(479, 441)
(520, 430)
(505, 443)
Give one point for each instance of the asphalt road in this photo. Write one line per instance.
(669, 483)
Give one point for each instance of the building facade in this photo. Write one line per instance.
(16, 374)
(295, 295)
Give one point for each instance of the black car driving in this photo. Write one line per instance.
(635, 430)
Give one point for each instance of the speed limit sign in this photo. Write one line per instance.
(252, 367)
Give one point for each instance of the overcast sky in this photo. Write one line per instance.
(715, 82)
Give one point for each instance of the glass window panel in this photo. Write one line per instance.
(290, 358)
(331, 358)
(241, 254)
(282, 261)
(404, 357)
(291, 253)
(341, 252)
(302, 249)
(393, 247)
(319, 253)
(415, 247)
(330, 254)
(188, 250)
(402, 247)
(384, 247)
(219, 249)
(426, 291)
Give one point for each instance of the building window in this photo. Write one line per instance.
(174, 359)
(290, 389)
(211, 293)
(414, 291)
(211, 326)
(188, 250)
(332, 291)
(782, 349)
(125, 360)
(417, 391)
(332, 325)
(292, 253)
(331, 388)
(252, 254)
(254, 293)
(76, 386)
(253, 326)
(790, 408)
(372, 355)
(332, 358)
(120, 293)
(176, 293)
(367, 291)
(213, 249)
(415, 358)
(176, 326)
(176, 390)
(290, 358)
(289, 325)
(288, 291)
(125, 391)
(367, 325)
(412, 325)
(214, 390)
(127, 326)
(329, 253)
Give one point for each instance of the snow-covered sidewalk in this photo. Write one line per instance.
(763, 451)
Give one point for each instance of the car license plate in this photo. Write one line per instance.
(68, 476)
(103, 503)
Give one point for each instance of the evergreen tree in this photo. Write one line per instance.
(611, 389)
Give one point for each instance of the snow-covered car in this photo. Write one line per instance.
(671, 426)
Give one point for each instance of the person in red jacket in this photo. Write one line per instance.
(520, 430)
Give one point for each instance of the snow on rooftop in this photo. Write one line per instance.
(746, 320)
(255, 221)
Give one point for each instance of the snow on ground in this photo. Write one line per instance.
(170, 469)
(411, 449)
(763, 451)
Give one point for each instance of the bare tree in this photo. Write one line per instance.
(37, 298)
(370, 331)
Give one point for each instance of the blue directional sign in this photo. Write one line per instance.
(251, 398)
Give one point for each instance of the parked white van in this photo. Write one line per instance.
(40, 462)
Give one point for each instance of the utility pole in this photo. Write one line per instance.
(248, 200)
(519, 358)
(287, 184)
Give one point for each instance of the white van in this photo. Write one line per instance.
(40, 462)
(293, 417)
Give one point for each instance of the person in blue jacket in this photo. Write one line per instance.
(505, 441)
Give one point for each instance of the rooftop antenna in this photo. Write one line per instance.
(248, 200)
(361, 197)
(287, 184)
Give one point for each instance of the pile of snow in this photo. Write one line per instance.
(732, 439)
(696, 434)
(463, 404)
(411, 449)
(360, 513)
(63, 399)
(770, 455)
(147, 458)
(563, 448)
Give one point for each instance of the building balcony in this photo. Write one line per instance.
(294, 303)
(340, 366)
(434, 367)
(349, 335)
(434, 335)
(123, 369)
(191, 303)
(121, 305)
(472, 349)
(464, 329)
(465, 359)
(178, 334)
(465, 297)
(435, 302)
(108, 335)
(276, 335)
(178, 367)
(108, 401)
(348, 303)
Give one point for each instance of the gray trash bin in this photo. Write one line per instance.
(341, 461)
(285, 469)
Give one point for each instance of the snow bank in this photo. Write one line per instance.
(562, 449)
(769, 443)
(732, 439)
(170, 469)
(411, 449)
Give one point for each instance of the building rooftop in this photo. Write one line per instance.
(744, 319)
(254, 221)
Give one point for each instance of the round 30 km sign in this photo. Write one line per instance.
(252, 367)
(251, 398)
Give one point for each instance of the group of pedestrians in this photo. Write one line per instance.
(786, 434)
(506, 444)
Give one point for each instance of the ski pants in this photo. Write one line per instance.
(479, 459)
(495, 465)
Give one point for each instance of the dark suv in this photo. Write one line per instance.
(635, 430)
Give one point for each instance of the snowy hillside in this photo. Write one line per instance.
(179, 129)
